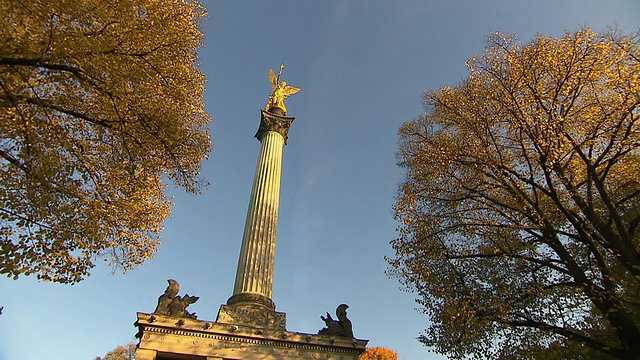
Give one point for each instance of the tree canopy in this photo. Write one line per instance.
(99, 101)
(520, 204)
(378, 353)
(127, 352)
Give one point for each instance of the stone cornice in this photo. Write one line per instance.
(162, 325)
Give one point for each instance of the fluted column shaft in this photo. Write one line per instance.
(257, 255)
(254, 276)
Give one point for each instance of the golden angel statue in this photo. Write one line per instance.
(280, 92)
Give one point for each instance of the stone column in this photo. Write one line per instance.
(254, 276)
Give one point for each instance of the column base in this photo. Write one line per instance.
(253, 310)
(252, 298)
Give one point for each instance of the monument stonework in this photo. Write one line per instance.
(248, 325)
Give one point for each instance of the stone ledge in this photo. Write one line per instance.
(163, 325)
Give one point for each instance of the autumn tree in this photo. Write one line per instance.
(378, 353)
(127, 352)
(520, 204)
(99, 101)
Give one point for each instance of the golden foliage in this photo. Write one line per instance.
(520, 206)
(98, 101)
(127, 352)
(378, 353)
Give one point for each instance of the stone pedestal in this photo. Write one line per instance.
(165, 337)
(252, 315)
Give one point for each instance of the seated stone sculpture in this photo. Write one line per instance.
(341, 327)
(170, 303)
(165, 299)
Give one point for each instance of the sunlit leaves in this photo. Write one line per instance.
(378, 353)
(126, 352)
(98, 101)
(519, 209)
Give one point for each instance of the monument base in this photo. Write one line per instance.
(231, 337)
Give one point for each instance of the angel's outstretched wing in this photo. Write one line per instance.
(190, 299)
(290, 90)
(273, 79)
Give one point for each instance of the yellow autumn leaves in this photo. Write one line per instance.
(98, 101)
(378, 353)
(519, 208)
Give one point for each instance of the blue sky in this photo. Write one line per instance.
(362, 67)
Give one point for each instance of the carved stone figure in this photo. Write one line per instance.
(178, 306)
(170, 303)
(280, 90)
(341, 327)
(165, 299)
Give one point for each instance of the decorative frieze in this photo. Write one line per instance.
(250, 315)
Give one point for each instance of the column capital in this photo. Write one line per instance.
(274, 120)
